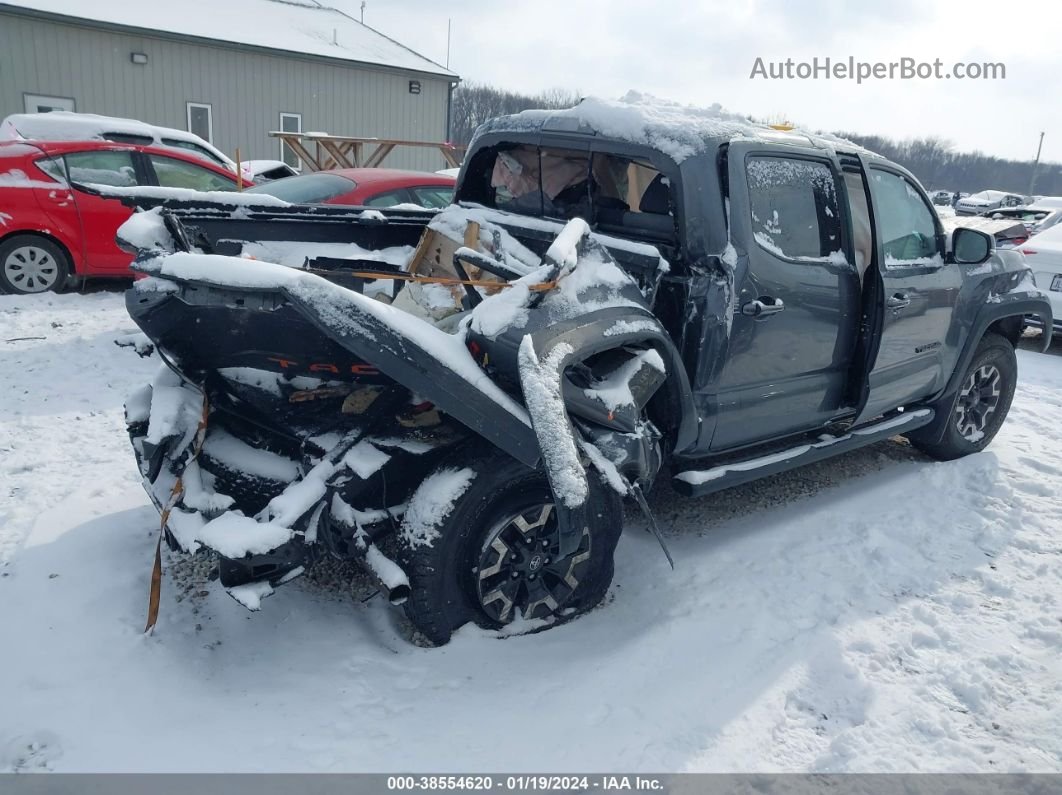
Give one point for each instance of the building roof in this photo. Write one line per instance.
(303, 27)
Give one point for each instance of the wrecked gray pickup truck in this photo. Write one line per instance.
(461, 401)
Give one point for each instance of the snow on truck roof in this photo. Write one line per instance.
(303, 27)
(679, 131)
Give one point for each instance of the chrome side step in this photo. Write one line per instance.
(699, 482)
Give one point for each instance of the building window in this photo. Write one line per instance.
(40, 103)
(290, 123)
(200, 121)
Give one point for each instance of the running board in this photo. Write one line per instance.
(699, 482)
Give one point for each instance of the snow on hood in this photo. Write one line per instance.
(679, 131)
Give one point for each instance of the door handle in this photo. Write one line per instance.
(762, 307)
(898, 301)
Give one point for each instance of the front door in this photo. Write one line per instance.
(916, 294)
(796, 313)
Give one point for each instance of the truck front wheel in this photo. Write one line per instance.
(977, 410)
(494, 557)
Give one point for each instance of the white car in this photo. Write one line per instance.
(1044, 255)
(1037, 218)
(983, 201)
(67, 126)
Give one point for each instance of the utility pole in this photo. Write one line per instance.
(1036, 166)
(448, 21)
(362, 12)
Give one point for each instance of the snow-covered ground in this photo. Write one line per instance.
(876, 612)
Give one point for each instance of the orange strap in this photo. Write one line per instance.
(155, 591)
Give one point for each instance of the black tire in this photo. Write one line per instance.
(32, 264)
(445, 577)
(976, 412)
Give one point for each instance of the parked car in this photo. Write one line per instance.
(268, 170)
(696, 299)
(983, 201)
(1035, 218)
(53, 231)
(1044, 255)
(69, 126)
(942, 197)
(1006, 232)
(363, 187)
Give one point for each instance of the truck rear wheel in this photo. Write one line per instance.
(494, 557)
(977, 410)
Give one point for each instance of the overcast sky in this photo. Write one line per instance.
(702, 51)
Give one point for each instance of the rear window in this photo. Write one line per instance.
(307, 188)
(612, 192)
(189, 146)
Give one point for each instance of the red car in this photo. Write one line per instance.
(52, 233)
(364, 187)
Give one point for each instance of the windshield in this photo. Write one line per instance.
(307, 188)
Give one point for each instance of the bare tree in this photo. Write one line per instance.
(475, 103)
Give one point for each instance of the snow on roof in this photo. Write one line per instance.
(295, 26)
(677, 130)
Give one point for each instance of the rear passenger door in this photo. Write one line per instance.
(100, 218)
(915, 296)
(796, 315)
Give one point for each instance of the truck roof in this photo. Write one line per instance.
(678, 131)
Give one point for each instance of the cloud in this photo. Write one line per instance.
(702, 52)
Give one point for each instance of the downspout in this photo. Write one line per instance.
(449, 108)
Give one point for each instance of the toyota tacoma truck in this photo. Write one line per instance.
(621, 293)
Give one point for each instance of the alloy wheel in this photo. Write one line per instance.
(978, 401)
(520, 570)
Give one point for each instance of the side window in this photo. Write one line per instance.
(432, 197)
(173, 173)
(905, 222)
(862, 232)
(794, 208)
(104, 167)
(53, 167)
(389, 199)
(177, 143)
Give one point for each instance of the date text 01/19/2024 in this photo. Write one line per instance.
(526, 782)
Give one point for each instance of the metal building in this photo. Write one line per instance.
(230, 71)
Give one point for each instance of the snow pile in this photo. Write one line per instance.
(540, 381)
(234, 535)
(431, 503)
(494, 239)
(679, 131)
(878, 612)
(294, 253)
(507, 308)
(615, 390)
(220, 197)
(365, 460)
(564, 250)
(145, 231)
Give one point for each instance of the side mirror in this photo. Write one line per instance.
(970, 247)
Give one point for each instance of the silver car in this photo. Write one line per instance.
(983, 201)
